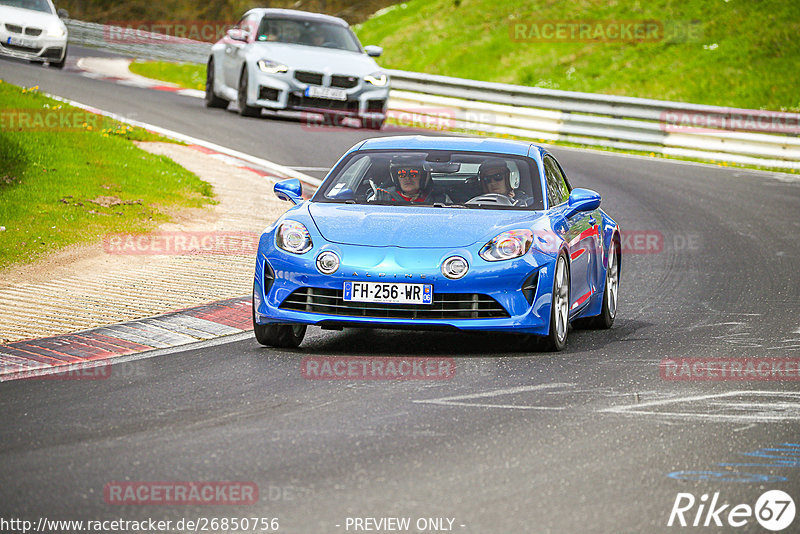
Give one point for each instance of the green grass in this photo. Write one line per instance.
(80, 180)
(746, 54)
(186, 75)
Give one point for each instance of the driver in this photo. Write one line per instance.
(411, 183)
(495, 177)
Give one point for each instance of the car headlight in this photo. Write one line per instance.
(508, 245)
(377, 78)
(293, 237)
(56, 31)
(271, 67)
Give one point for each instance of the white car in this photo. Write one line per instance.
(283, 59)
(33, 30)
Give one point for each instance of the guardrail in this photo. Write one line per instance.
(744, 136)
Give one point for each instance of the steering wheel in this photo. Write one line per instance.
(491, 198)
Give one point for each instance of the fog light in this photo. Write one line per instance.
(455, 267)
(327, 262)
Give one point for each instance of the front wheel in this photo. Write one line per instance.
(211, 99)
(283, 336)
(244, 109)
(59, 64)
(611, 292)
(556, 338)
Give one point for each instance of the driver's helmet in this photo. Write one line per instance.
(493, 170)
(399, 166)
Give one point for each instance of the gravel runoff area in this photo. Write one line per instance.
(203, 255)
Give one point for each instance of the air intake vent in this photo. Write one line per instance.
(445, 306)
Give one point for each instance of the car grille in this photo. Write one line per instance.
(300, 102)
(34, 32)
(13, 28)
(313, 78)
(21, 48)
(445, 306)
(345, 82)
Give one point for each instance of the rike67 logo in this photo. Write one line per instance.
(774, 510)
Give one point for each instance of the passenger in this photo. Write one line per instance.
(495, 177)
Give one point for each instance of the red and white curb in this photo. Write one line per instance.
(117, 70)
(82, 351)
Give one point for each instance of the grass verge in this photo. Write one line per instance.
(187, 75)
(726, 53)
(68, 176)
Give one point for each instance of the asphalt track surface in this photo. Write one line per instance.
(591, 439)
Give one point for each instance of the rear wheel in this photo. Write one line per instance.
(284, 336)
(556, 338)
(244, 109)
(212, 100)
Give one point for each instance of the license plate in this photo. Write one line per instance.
(326, 92)
(16, 41)
(388, 292)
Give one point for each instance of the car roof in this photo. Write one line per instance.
(467, 144)
(300, 15)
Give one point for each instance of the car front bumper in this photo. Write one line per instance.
(43, 48)
(283, 91)
(280, 277)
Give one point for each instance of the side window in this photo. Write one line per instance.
(563, 185)
(554, 180)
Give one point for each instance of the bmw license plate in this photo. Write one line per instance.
(326, 92)
(16, 41)
(388, 292)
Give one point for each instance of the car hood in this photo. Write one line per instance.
(315, 58)
(27, 17)
(413, 227)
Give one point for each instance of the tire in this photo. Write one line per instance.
(610, 291)
(212, 100)
(60, 64)
(556, 338)
(244, 109)
(372, 124)
(283, 336)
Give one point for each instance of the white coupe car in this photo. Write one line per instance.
(33, 30)
(282, 59)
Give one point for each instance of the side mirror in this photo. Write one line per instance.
(583, 200)
(373, 51)
(237, 34)
(290, 190)
(62, 13)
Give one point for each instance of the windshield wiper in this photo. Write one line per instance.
(443, 205)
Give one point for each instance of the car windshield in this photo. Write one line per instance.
(33, 5)
(435, 178)
(308, 33)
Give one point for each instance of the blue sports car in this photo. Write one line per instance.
(438, 233)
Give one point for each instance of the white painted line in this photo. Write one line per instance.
(258, 162)
(455, 400)
(640, 409)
